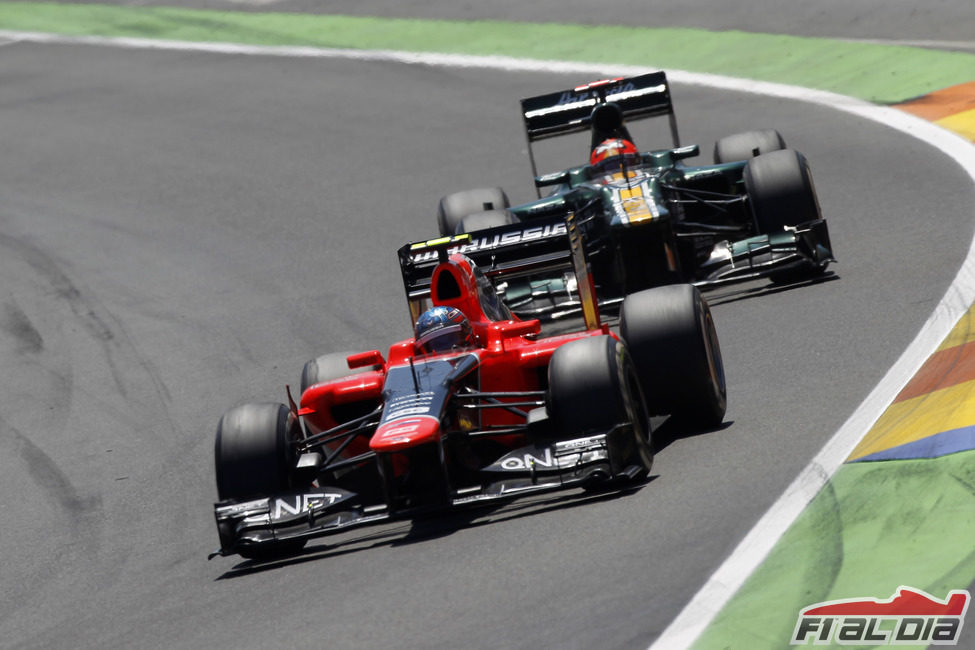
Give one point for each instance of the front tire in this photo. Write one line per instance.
(671, 335)
(781, 191)
(593, 386)
(254, 454)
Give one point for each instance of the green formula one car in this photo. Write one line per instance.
(649, 218)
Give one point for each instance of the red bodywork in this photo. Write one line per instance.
(512, 359)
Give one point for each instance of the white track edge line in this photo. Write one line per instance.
(758, 543)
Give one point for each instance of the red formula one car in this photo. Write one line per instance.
(478, 407)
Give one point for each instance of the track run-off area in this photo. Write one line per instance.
(889, 500)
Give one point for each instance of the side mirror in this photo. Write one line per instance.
(521, 328)
(555, 178)
(366, 359)
(685, 152)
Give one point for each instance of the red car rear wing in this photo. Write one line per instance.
(506, 251)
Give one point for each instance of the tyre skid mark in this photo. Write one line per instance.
(51, 479)
(115, 342)
(19, 325)
(83, 516)
(78, 524)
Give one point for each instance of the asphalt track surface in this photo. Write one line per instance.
(182, 231)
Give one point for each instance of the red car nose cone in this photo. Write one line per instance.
(404, 433)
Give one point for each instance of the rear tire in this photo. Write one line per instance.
(593, 386)
(747, 145)
(253, 457)
(458, 205)
(328, 367)
(671, 336)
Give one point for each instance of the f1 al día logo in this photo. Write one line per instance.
(909, 617)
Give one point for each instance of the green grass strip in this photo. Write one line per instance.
(874, 527)
(878, 73)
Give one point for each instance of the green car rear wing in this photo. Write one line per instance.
(570, 111)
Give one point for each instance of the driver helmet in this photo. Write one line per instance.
(442, 329)
(610, 148)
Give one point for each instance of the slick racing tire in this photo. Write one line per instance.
(458, 205)
(484, 220)
(747, 145)
(593, 386)
(328, 367)
(253, 457)
(780, 190)
(671, 336)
